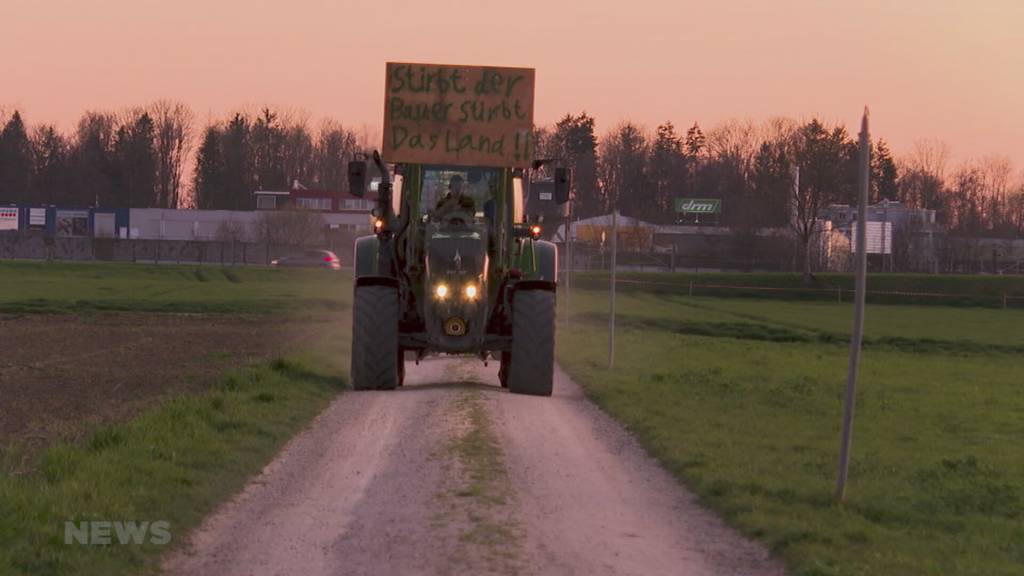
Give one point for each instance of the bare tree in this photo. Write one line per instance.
(997, 178)
(778, 129)
(930, 157)
(368, 137)
(966, 193)
(734, 139)
(334, 148)
(979, 198)
(921, 181)
(173, 145)
(1016, 210)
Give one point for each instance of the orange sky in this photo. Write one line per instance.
(950, 70)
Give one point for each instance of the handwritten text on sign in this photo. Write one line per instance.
(460, 115)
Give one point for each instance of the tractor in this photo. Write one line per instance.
(454, 266)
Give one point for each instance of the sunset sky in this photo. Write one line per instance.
(936, 69)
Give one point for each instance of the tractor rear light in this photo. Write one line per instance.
(328, 259)
(470, 291)
(378, 225)
(441, 291)
(535, 231)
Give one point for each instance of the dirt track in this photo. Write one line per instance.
(451, 475)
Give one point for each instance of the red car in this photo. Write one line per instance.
(309, 259)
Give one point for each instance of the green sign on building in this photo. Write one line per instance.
(698, 205)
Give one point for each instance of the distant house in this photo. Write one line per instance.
(893, 232)
(310, 199)
(843, 216)
(634, 234)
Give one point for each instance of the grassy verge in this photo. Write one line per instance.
(173, 463)
(746, 412)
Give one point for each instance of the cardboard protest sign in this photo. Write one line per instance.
(458, 115)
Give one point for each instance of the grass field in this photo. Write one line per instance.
(742, 399)
(960, 290)
(84, 287)
(180, 457)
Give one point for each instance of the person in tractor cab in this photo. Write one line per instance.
(455, 200)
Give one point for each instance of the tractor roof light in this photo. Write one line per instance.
(470, 291)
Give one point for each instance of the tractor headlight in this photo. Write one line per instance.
(470, 291)
(441, 291)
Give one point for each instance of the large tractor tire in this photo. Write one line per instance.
(375, 354)
(531, 363)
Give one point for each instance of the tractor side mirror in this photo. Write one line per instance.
(357, 178)
(563, 183)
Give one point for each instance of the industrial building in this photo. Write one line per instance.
(331, 220)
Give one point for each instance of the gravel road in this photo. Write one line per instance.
(452, 475)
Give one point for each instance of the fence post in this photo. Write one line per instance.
(839, 291)
(691, 287)
(1004, 300)
(611, 296)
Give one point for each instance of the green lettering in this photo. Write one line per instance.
(398, 136)
(397, 82)
(520, 114)
(456, 80)
(512, 84)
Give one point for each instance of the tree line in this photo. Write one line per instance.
(139, 158)
(777, 173)
(133, 158)
(269, 152)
